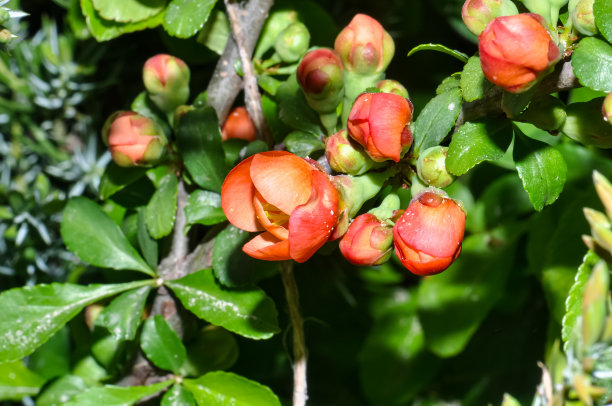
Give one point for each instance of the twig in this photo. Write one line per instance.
(299, 347)
(251, 89)
(225, 83)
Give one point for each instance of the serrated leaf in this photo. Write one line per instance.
(303, 144)
(204, 207)
(17, 381)
(448, 83)
(215, 348)
(178, 396)
(248, 312)
(116, 395)
(199, 141)
(592, 63)
(294, 111)
(541, 168)
(89, 233)
(32, 314)
(225, 388)
(116, 178)
(473, 143)
(440, 48)
(161, 210)
(162, 345)
(105, 30)
(61, 390)
(126, 11)
(570, 330)
(474, 84)
(436, 119)
(146, 243)
(602, 11)
(124, 314)
(184, 18)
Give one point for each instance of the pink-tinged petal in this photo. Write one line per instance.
(311, 224)
(135, 152)
(267, 247)
(237, 197)
(283, 179)
(420, 263)
(390, 115)
(278, 230)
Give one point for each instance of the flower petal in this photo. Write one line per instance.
(237, 197)
(278, 230)
(267, 247)
(389, 116)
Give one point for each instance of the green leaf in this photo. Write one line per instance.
(52, 359)
(440, 48)
(436, 119)
(215, 33)
(178, 396)
(214, 348)
(293, 109)
(105, 30)
(124, 314)
(162, 345)
(61, 390)
(541, 168)
(592, 63)
(602, 11)
(161, 210)
(126, 11)
(146, 243)
(116, 178)
(204, 207)
(232, 266)
(95, 238)
(570, 330)
(448, 83)
(248, 312)
(186, 17)
(452, 305)
(142, 104)
(116, 395)
(303, 144)
(199, 140)
(473, 143)
(225, 388)
(474, 84)
(32, 314)
(17, 381)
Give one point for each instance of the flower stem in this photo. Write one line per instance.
(299, 346)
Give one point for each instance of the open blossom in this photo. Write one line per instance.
(238, 125)
(368, 241)
(380, 123)
(515, 51)
(283, 195)
(428, 235)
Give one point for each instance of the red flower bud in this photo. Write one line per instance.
(606, 108)
(516, 51)
(320, 75)
(476, 14)
(133, 139)
(428, 235)
(379, 122)
(364, 46)
(367, 241)
(283, 195)
(166, 78)
(238, 125)
(345, 156)
(392, 86)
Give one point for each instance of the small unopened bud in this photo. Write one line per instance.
(166, 79)
(606, 108)
(238, 125)
(392, 86)
(320, 76)
(292, 43)
(431, 167)
(6, 36)
(583, 19)
(368, 241)
(604, 190)
(594, 304)
(585, 124)
(4, 16)
(346, 156)
(476, 14)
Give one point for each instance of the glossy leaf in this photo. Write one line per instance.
(124, 314)
(146, 243)
(116, 178)
(436, 119)
(162, 345)
(225, 388)
(602, 11)
(474, 84)
(199, 141)
(215, 32)
(17, 381)
(32, 314)
(592, 63)
(541, 168)
(178, 396)
(293, 109)
(214, 348)
(184, 18)
(126, 11)
(473, 143)
(161, 210)
(440, 48)
(61, 391)
(116, 395)
(248, 312)
(52, 359)
(95, 238)
(303, 144)
(204, 207)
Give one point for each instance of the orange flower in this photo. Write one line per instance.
(379, 122)
(281, 194)
(517, 50)
(238, 125)
(428, 235)
(367, 241)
